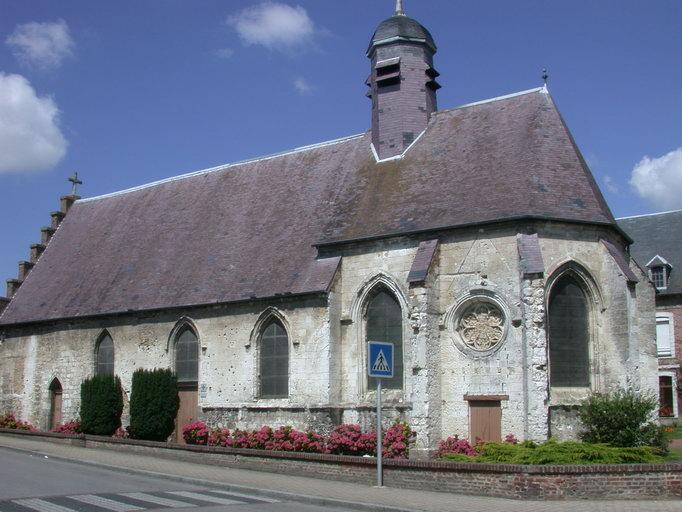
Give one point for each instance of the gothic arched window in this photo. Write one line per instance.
(569, 334)
(104, 356)
(187, 356)
(274, 361)
(385, 323)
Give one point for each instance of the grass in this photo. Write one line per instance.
(674, 455)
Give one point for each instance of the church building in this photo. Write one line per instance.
(475, 239)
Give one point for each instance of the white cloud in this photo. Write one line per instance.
(224, 53)
(659, 180)
(41, 45)
(276, 26)
(302, 86)
(30, 139)
(610, 184)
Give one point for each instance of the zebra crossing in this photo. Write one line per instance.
(131, 501)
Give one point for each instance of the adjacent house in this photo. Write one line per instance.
(658, 249)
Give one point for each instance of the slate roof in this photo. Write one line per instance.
(404, 27)
(248, 230)
(657, 234)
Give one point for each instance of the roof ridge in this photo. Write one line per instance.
(542, 90)
(648, 214)
(222, 167)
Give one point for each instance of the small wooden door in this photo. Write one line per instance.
(485, 420)
(55, 404)
(187, 411)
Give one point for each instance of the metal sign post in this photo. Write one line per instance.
(380, 446)
(380, 366)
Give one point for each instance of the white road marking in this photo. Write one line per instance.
(240, 495)
(42, 505)
(98, 501)
(204, 497)
(142, 496)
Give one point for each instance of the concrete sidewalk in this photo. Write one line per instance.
(346, 496)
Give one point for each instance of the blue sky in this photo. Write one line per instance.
(130, 92)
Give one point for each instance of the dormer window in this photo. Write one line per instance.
(658, 277)
(659, 272)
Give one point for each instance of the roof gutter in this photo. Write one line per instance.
(336, 243)
(5, 326)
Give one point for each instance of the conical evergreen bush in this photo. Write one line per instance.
(101, 405)
(153, 404)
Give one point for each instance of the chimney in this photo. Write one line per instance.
(24, 268)
(12, 287)
(66, 202)
(36, 251)
(402, 82)
(57, 218)
(46, 234)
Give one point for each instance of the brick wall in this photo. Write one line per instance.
(632, 481)
(673, 305)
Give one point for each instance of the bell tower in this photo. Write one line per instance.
(402, 82)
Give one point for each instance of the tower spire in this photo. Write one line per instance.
(402, 82)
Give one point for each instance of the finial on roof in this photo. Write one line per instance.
(74, 183)
(545, 76)
(399, 8)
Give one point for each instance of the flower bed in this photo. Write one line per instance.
(70, 427)
(11, 422)
(343, 440)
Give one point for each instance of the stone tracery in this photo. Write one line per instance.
(482, 326)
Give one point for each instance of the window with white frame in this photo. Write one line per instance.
(664, 335)
(659, 277)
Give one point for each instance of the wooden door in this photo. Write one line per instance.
(485, 420)
(55, 403)
(55, 408)
(187, 411)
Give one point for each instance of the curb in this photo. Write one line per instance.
(281, 495)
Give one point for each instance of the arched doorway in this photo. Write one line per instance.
(187, 371)
(55, 403)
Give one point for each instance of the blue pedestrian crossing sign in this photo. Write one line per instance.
(380, 360)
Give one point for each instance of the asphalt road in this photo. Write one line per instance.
(36, 483)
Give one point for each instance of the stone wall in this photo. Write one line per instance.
(328, 382)
(32, 357)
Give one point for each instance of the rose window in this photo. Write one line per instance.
(482, 326)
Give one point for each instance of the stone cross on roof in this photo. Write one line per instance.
(75, 182)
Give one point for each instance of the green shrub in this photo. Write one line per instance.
(101, 405)
(153, 404)
(553, 452)
(621, 418)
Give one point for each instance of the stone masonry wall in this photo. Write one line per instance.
(328, 382)
(483, 264)
(227, 360)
